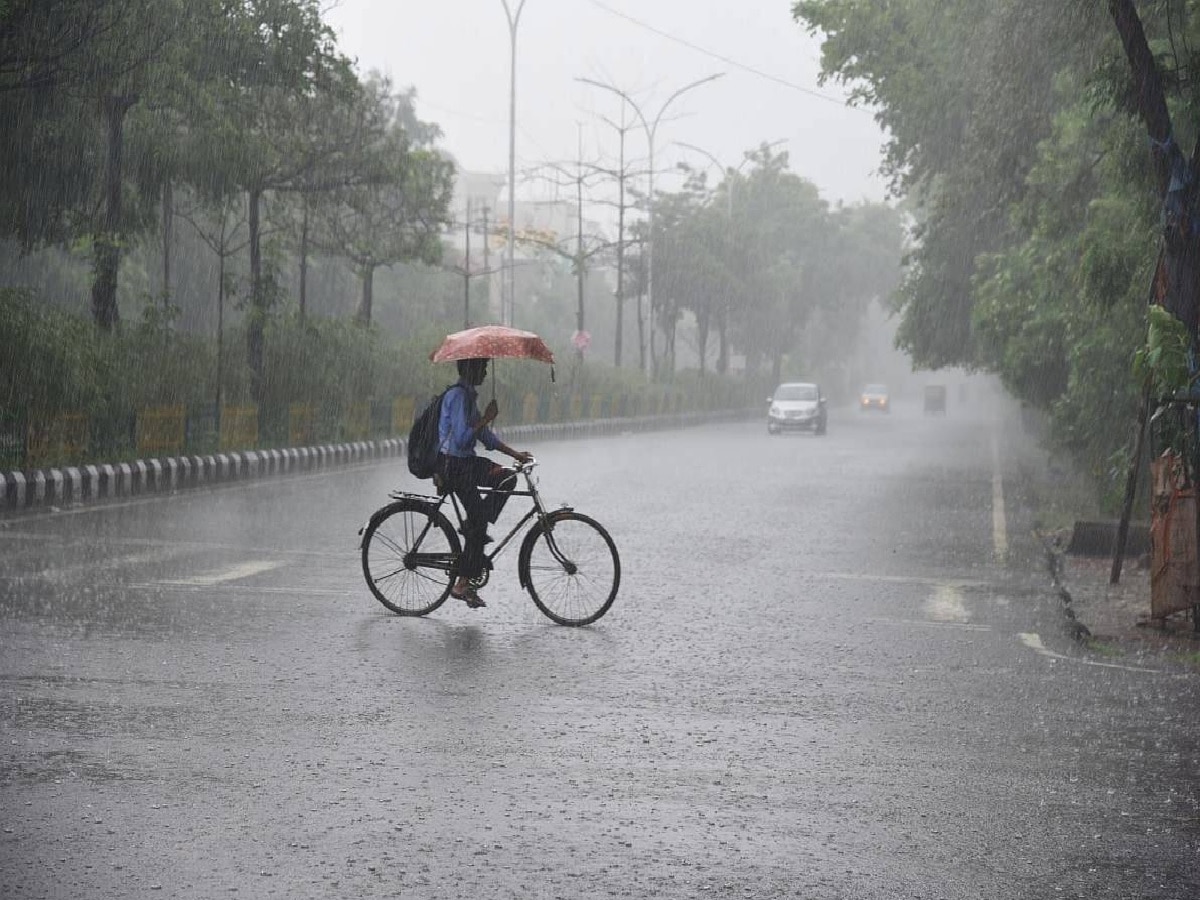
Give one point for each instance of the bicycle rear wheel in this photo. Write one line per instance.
(571, 568)
(409, 550)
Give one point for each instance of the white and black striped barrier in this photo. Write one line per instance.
(70, 485)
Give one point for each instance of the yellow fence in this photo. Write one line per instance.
(530, 411)
(164, 430)
(302, 425)
(239, 427)
(358, 422)
(161, 430)
(404, 410)
(57, 440)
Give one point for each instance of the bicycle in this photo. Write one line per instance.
(567, 562)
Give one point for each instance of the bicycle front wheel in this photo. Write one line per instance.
(570, 567)
(409, 551)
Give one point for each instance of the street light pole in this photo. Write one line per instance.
(509, 282)
(651, 128)
(729, 171)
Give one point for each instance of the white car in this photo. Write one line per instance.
(798, 406)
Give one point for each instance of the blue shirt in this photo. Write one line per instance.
(460, 414)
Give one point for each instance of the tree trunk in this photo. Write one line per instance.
(641, 316)
(168, 214)
(304, 256)
(652, 328)
(220, 336)
(107, 244)
(256, 320)
(669, 341)
(366, 301)
(620, 256)
(1179, 268)
(580, 324)
(702, 320)
(580, 264)
(722, 343)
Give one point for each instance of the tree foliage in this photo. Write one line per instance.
(1014, 126)
(762, 261)
(115, 109)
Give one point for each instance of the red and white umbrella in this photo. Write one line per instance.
(492, 342)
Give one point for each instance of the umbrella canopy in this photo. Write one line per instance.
(492, 342)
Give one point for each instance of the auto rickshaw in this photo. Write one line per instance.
(935, 399)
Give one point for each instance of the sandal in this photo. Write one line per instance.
(469, 597)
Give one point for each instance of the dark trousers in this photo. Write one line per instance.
(463, 476)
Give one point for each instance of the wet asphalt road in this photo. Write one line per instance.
(819, 681)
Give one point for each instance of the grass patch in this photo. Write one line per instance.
(1105, 649)
(1190, 659)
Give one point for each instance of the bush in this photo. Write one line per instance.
(57, 364)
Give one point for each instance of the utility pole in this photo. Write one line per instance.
(621, 175)
(579, 257)
(651, 129)
(514, 20)
(487, 265)
(467, 271)
(577, 250)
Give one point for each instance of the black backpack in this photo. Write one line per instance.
(423, 438)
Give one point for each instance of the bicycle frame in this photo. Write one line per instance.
(536, 511)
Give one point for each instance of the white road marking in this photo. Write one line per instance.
(946, 605)
(926, 623)
(1034, 642)
(351, 552)
(899, 579)
(157, 555)
(190, 587)
(216, 487)
(245, 570)
(999, 523)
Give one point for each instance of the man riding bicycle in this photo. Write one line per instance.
(463, 472)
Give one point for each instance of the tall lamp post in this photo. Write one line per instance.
(729, 171)
(651, 128)
(508, 284)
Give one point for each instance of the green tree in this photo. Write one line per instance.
(964, 92)
(398, 207)
(270, 128)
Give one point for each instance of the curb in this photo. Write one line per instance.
(1054, 563)
(79, 484)
(20, 490)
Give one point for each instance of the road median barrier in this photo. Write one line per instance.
(74, 485)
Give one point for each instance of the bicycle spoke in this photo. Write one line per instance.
(391, 544)
(575, 581)
(407, 556)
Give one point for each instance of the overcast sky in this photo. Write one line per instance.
(456, 54)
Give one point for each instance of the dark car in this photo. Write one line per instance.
(796, 406)
(875, 397)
